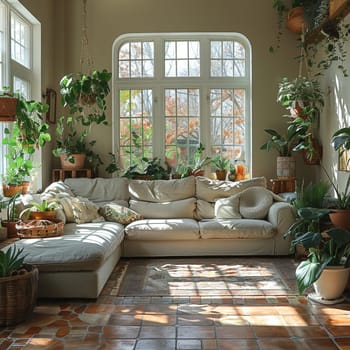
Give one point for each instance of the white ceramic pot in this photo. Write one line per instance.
(332, 282)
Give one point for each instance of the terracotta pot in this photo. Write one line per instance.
(8, 109)
(43, 215)
(340, 218)
(295, 20)
(198, 172)
(79, 161)
(11, 228)
(11, 190)
(25, 187)
(221, 174)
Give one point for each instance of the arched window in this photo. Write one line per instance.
(174, 91)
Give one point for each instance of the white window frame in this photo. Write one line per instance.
(30, 73)
(205, 82)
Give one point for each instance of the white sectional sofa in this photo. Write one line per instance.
(194, 216)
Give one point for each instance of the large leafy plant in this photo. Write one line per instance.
(326, 248)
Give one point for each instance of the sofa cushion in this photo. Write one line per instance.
(99, 189)
(162, 230)
(82, 247)
(236, 228)
(211, 190)
(184, 208)
(118, 213)
(205, 210)
(57, 187)
(159, 191)
(228, 208)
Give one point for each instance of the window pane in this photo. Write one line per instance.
(228, 122)
(135, 137)
(182, 58)
(20, 40)
(182, 125)
(22, 86)
(136, 60)
(227, 59)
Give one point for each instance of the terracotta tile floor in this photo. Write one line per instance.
(258, 320)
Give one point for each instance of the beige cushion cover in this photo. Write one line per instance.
(211, 190)
(100, 189)
(184, 208)
(227, 208)
(205, 210)
(236, 228)
(159, 191)
(161, 229)
(83, 247)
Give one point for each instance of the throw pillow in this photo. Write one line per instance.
(228, 208)
(117, 213)
(84, 210)
(255, 202)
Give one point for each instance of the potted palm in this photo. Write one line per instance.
(328, 262)
(222, 165)
(18, 287)
(284, 145)
(199, 162)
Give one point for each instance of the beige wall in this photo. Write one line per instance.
(336, 114)
(107, 19)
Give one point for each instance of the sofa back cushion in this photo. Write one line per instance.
(158, 191)
(211, 190)
(184, 208)
(100, 189)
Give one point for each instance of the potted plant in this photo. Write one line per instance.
(149, 169)
(284, 145)
(85, 97)
(113, 166)
(341, 213)
(199, 162)
(18, 287)
(302, 96)
(43, 210)
(27, 134)
(221, 164)
(12, 216)
(293, 15)
(328, 261)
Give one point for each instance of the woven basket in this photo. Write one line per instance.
(18, 296)
(39, 228)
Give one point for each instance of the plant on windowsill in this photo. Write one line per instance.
(150, 169)
(221, 165)
(85, 97)
(199, 162)
(18, 287)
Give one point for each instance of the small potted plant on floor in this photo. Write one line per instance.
(18, 287)
(12, 216)
(328, 261)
